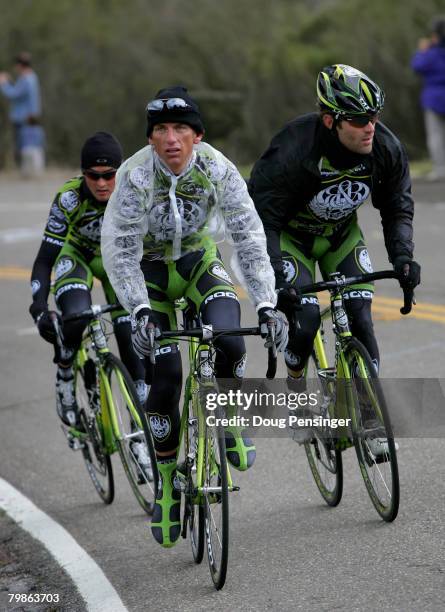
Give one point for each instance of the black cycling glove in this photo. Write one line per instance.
(288, 298)
(42, 318)
(408, 270)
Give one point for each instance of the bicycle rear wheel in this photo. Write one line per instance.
(97, 460)
(372, 433)
(324, 459)
(133, 437)
(216, 502)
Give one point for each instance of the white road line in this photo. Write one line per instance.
(94, 587)
(20, 234)
(21, 206)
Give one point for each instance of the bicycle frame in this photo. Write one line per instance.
(95, 339)
(192, 394)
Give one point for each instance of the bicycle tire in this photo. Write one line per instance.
(97, 460)
(325, 460)
(195, 510)
(216, 504)
(130, 436)
(380, 473)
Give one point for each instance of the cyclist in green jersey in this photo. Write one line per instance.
(307, 187)
(159, 244)
(71, 248)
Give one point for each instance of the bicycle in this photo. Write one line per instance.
(110, 416)
(204, 475)
(351, 388)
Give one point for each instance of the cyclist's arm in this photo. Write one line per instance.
(53, 240)
(272, 202)
(245, 232)
(124, 228)
(394, 200)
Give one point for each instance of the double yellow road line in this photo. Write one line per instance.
(383, 308)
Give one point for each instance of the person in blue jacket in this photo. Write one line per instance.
(429, 62)
(25, 113)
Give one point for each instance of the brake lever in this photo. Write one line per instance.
(57, 329)
(408, 300)
(151, 340)
(272, 351)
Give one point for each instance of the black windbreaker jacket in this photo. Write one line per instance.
(287, 176)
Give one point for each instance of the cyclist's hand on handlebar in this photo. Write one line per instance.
(408, 271)
(142, 322)
(43, 319)
(288, 298)
(269, 315)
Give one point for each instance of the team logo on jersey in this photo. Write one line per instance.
(140, 177)
(240, 367)
(35, 286)
(56, 212)
(339, 201)
(92, 229)
(56, 227)
(164, 216)
(130, 207)
(290, 269)
(363, 259)
(63, 266)
(160, 426)
(69, 200)
(220, 272)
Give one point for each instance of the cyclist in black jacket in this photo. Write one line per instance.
(307, 187)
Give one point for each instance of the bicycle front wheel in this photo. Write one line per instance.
(133, 437)
(324, 459)
(216, 502)
(194, 508)
(372, 433)
(97, 460)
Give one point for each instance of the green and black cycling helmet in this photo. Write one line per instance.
(343, 90)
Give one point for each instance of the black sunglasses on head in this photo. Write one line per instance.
(108, 175)
(158, 105)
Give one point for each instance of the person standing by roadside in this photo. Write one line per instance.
(429, 62)
(25, 115)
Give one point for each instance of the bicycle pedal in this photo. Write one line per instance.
(74, 443)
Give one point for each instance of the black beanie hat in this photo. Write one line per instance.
(190, 116)
(101, 149)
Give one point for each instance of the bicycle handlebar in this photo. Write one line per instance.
(91, 313)
(342, 281)
(205, 333)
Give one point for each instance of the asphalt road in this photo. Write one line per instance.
(288, 550)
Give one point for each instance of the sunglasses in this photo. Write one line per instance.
(361, 121)
(156, 106)
(95, 176)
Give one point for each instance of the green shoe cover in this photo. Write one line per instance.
(166, 521)
(240, 450)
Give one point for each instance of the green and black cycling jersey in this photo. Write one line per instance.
(75, 220)
(307, 184)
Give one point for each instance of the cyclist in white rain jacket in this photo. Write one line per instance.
(172, 200)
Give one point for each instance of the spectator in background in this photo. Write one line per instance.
(429, 61)
(25, 114)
